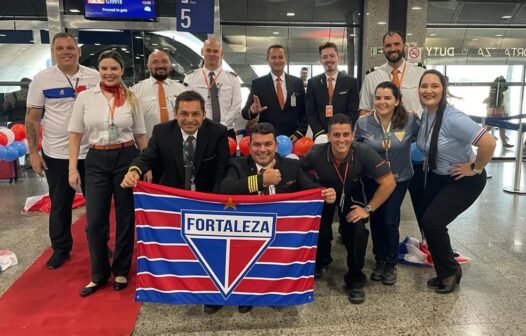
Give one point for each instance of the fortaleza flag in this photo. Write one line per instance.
(198, 248)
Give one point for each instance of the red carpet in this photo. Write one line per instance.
(47, 302)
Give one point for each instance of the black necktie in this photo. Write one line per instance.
(214, 98)
(266, 190)
(188, 155)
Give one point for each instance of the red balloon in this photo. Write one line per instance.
(19, 131)
(232, 145)
(3, 139)
(244, 146)
(302, 146)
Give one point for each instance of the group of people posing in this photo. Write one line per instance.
(101, 137)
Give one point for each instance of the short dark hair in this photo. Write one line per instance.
(62, 35)
(276, 46)
(263, 128)
(113, 55)
(304, 68)
(394, 32)
(327, 45)
(24, 83)
(339, 118)
(190, 96)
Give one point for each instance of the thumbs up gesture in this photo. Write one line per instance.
(271, 176)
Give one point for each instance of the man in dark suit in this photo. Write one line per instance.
(264, 172)
(330, 93)
(278, 98)
(192, 149)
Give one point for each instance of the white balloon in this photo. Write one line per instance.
(293, 156)
(9, 134)
(321, 139)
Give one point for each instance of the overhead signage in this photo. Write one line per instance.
(195, 16)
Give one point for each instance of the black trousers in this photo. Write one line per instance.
(444, 200)
(416, 191)
(61, 195)
(354, 238)
(105, 170)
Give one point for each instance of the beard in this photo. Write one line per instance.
(395, 60)
(160, 76)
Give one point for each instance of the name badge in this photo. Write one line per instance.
(328, 111)
(113, 132)
(293, 100)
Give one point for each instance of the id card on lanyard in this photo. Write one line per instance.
(71, 84)
(113, 131)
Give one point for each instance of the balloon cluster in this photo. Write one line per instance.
(13, 143)
(285, 146)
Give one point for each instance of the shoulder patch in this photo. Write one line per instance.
(421, 65)
(370, 70)
(233, 73)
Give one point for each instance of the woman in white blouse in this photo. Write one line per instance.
(110, 117)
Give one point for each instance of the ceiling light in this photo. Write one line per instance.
(275, 33)
(351, 35)
(155, 44)
(416, 8)
(506, 17)
(291, 14)
(74, 11)
(3, 35)
(137, 57)
(367, 13)
(124, 49)
(475, 39)
(97, 44)
(499, 35)
(138, 37)
(382, 23)
(92, 54)
(409, 34)
(432, 34)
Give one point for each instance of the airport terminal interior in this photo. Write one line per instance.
(471, 42)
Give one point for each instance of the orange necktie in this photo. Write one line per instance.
(396, 80)
(279, 92)
(162, 102)
(331, 87)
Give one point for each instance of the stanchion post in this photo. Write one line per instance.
(516, 188)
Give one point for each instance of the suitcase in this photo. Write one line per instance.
(9, 170)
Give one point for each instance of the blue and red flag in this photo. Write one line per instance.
(198, 248)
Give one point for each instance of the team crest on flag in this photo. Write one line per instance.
(238, 240)
(199, 248)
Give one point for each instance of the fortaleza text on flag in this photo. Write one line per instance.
(197, 248)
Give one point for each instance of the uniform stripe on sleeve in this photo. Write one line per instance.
(479, 135)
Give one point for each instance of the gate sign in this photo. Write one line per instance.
(195, 16)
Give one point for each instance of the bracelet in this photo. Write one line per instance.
(73, 173)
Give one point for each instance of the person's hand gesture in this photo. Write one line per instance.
(271, 176)
(256, 107)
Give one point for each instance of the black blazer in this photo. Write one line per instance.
(166, 147)
(289, 121)
(239, 169)
(344, 100)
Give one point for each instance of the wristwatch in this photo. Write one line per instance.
(474, 170)
(368, 208)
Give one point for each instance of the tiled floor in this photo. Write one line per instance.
(491, 299)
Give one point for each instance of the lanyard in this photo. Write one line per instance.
(71, 84)
(427, 133)
(112, 111)
(209, 85)
(342, 180)
(386, 139)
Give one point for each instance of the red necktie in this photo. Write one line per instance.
(279, 92)
(396, 80)
(162, 102)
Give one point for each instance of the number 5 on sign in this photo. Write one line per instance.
(195, 16)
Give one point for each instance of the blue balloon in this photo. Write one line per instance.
(416, 154)
(284, 145)
(3, 152)
(20, 148)
(11, 153)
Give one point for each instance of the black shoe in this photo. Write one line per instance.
(244, 309)
(118, 286)
(212, 309)
(356, 295)
(90, 290)
(507, 145)
(320, 271)
(453, 282)
(389, 276)
(433, 282)
(57, 259)
(378, 271)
